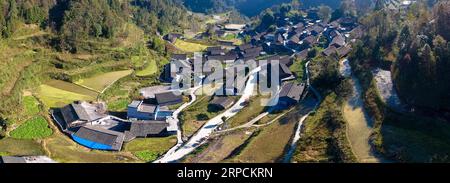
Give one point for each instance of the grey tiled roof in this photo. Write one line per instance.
(292, 90)
(102, 136)
(146, 128)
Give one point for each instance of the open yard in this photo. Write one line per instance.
(189, 47)
(34, 128)
(102, 81)
(149, 149)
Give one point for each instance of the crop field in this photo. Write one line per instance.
(31, 105)
(149, 149)
(102, 81)
(189, 47)
(56, 97)
(35, 128)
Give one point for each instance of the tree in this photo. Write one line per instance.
(296, 4)
(442, 14)
(324, 13)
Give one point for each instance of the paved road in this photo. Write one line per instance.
(207, 129)
(174, 120)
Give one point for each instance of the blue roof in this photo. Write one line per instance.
(91, 144)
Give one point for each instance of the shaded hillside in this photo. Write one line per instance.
(248, 7)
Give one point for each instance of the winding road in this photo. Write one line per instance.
(200, 137)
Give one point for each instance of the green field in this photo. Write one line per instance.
(149, 149)
(31, 105)
(55, 97)
(72, 88)
(102, 81)
(190, 47)
(149, 70)
(35, 128)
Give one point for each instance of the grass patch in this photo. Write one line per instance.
(190, 47)
(31, 105)
(149, 70)
(149, 149)
(298, 68)
(34, 128)
(55, 97)
(20, 147)
(118, 105)
(102, 81)
(254, 108)
(196, 115)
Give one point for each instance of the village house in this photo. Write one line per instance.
(172, 37)
(291, 93)
(221, 103)
(99, 138)
(168, 98)
(147, 128)
(80, 113)
(142, 111)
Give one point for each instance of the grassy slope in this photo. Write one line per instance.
(269, 145)
(322, 141)
(148, 149)
(31, 105)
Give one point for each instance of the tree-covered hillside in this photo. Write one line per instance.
(76, 21)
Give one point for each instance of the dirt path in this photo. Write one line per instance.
(359, 126)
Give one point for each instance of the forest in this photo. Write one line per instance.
(91, 18)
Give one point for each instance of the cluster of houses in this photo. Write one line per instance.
(310, 31)
(90, 124)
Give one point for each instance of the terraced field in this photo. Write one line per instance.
(59, 93)
(190, 47)
(100, 82)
